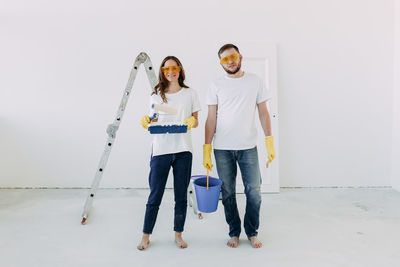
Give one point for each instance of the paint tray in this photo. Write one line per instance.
(163, 129)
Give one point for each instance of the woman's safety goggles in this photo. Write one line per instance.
(232, 57)
(171, 68)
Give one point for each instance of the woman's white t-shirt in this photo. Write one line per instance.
(186, 102)
(236, 100)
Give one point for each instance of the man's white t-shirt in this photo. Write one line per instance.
(186, 101)
(237, 99)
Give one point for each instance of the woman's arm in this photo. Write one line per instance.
(196, 115)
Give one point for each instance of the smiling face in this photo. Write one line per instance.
(171, 70)
(231, 60)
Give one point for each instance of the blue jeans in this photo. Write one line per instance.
(227, 169)
(181, 164)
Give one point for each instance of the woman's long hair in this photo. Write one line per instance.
(163, 82)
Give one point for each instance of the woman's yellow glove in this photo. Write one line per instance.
(145, 121)
(269, 142)
(191, 121)
(207, 156)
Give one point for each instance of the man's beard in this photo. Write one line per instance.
(235, 71)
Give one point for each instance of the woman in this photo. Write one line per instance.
(170, 150)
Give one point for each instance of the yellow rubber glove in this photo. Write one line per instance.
(191, 121)
(145, 121)
(269, 142)
(207, 156)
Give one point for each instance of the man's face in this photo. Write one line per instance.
(229, 63)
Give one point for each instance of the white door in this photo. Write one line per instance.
(261, 59)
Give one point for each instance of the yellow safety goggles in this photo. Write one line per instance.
(232, 57)
(171, 68)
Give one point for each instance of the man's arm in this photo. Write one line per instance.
(211, 123)
(266, 125)
(265, 119)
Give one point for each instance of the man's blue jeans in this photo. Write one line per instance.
(181, 164)
(227, 169)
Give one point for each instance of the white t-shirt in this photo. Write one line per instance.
(237, 99)
(186, 101)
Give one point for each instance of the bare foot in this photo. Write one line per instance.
(255, 242)
(179, 241)
(233, 242)
(144, 243)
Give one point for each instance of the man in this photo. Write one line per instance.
(232, 102)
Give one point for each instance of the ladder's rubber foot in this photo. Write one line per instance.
(83, 220)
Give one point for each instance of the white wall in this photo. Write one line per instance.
(64, 67)
(395, 174)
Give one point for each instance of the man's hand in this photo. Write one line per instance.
(269, 142)
(207, 156)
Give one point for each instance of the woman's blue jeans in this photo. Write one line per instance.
(227, 161)
(181, 164)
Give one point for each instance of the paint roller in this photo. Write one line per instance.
(163, 108)
(163, 129)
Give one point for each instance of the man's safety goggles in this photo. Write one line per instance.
(171, 68)
(232, 57)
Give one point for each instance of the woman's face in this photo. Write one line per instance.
(171, 70)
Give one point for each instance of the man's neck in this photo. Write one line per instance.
(238, 74)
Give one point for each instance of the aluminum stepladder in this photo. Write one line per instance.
(144, 59)
(192, 199)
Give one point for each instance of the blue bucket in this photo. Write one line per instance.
(207, 200)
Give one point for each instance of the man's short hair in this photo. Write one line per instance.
(225, 47)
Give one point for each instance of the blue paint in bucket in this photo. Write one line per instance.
(207, 200)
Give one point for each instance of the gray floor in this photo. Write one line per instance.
(299, 227)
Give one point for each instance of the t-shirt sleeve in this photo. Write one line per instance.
(195, 101)
(263, 94)
(211, 98)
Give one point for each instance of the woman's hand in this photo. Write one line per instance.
(145, 121)
(191, 121)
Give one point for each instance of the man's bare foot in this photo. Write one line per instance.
(255, 242)
(144, 243)
(179, 241)
(233, 242)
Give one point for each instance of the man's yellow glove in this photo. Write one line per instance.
(191, 121)
(207, 156)
(269, 142)
(145, 121)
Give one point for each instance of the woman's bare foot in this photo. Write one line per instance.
(233, 242)
(144, 243)
(255, 242)
(179, 241)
